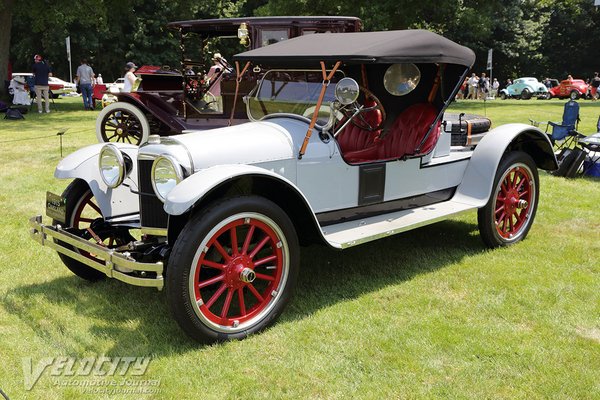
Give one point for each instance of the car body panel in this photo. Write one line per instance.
(83, 164)
(564, 89)
(477, 181)
(534, 87)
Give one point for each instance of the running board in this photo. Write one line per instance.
(353, 233)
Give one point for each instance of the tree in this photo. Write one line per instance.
(6, 12)
(108, 33)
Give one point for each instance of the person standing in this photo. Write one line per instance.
(41, 72)
(482, 86)
(473, 81)
(84, 78)
(594, 86)
(99, 80)
(129, 76)
(495, 87)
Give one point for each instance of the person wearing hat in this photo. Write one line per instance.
(17, 89)
(129, 76)
(84, 78)
(41, 72)
(213, 80)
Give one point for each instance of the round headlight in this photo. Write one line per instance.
(112, 166)
(166, 174)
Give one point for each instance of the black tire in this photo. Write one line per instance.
(574, 95)
(526, 94)
(122, 122)
(213, 298)
(76, 194)
(503, 96)
(515, 192)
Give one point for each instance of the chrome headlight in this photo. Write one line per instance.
(114, 165)
(166, 174)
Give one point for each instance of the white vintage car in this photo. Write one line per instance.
(347, 143)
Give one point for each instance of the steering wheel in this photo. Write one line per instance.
(366, 97)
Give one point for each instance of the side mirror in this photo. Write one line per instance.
(346, 91)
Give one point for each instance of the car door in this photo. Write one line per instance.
(565, 88)
(516, 88)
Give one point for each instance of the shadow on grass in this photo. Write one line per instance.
(137, 320)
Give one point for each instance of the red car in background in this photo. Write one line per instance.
(568, 88)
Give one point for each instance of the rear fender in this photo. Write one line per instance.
(83, 164)
(151, 103)
(476, 186)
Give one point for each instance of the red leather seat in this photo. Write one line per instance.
(404, 136)
(353, 138)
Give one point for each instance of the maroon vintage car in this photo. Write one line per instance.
(196, 95)
(569, 88)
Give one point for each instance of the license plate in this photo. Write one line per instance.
(56, 207)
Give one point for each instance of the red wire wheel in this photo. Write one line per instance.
(239, 272)
(509, 213)
(513, 197)
(233, 269)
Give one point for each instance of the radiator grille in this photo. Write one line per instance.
(152, 213)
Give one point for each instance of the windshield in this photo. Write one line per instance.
(294, 92)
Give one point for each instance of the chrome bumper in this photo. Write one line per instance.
(44, 234)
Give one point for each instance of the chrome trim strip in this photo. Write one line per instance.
(154, 231)
(44, 234)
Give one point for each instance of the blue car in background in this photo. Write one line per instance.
(524, 88)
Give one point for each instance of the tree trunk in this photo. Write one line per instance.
(6, 9)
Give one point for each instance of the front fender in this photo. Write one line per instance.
(83, 164)
(476, 186)
(187, 193)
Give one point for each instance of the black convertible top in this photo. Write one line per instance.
(230, 25)
(417, 46)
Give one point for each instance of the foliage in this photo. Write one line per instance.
(529, 37)
(108, 33)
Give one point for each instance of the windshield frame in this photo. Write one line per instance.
(327, 109)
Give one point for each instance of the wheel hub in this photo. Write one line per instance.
(239, 272)
(120, 131)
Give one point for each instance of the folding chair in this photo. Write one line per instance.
(565, 135)
(591, 146)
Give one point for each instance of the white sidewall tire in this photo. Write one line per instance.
(139, 114)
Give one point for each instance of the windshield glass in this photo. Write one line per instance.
(291, 92)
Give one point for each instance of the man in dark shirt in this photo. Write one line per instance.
(595, 84)
(41, 72)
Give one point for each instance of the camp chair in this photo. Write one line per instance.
(565, 135)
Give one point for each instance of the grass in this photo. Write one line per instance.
(427, 314)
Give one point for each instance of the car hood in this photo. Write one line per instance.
(248, 143)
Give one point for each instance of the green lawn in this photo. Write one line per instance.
(427, 314)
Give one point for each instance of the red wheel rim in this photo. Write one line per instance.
(236, 285)
(85, 213)
(514, 197)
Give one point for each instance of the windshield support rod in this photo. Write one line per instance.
(313, 121)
